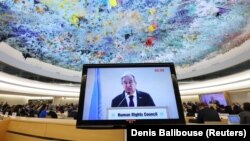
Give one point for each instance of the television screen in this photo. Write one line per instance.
(216, 98)
(112, 95)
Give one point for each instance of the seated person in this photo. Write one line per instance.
(42, 112)
(245, 114)
(190, 113)
(207, 114)
(52, 112)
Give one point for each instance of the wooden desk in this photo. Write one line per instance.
(3, 127)
(38, 129)
(223, 121)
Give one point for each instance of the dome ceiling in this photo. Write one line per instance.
(69, 33)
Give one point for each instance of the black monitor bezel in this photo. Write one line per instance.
(120, 124)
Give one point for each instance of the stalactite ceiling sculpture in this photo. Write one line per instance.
(69, 33)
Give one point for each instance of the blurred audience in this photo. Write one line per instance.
(40, 110)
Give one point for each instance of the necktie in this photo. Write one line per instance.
(131, 102)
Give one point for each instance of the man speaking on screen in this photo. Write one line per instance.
(131, 97)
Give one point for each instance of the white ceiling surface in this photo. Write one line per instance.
(20, 85)
(17, 85)
(231, 82)
(15, 58)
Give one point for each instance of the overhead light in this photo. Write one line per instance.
(21, 85)
(232, 82)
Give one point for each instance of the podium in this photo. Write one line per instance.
(124, 113)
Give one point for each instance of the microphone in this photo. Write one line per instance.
(122, 100)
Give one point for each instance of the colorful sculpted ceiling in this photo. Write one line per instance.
(69, 33)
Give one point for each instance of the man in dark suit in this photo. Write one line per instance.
(207, 114)
(131, 97)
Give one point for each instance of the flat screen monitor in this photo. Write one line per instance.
(233, 119)
(214, 98)
(117, 95)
